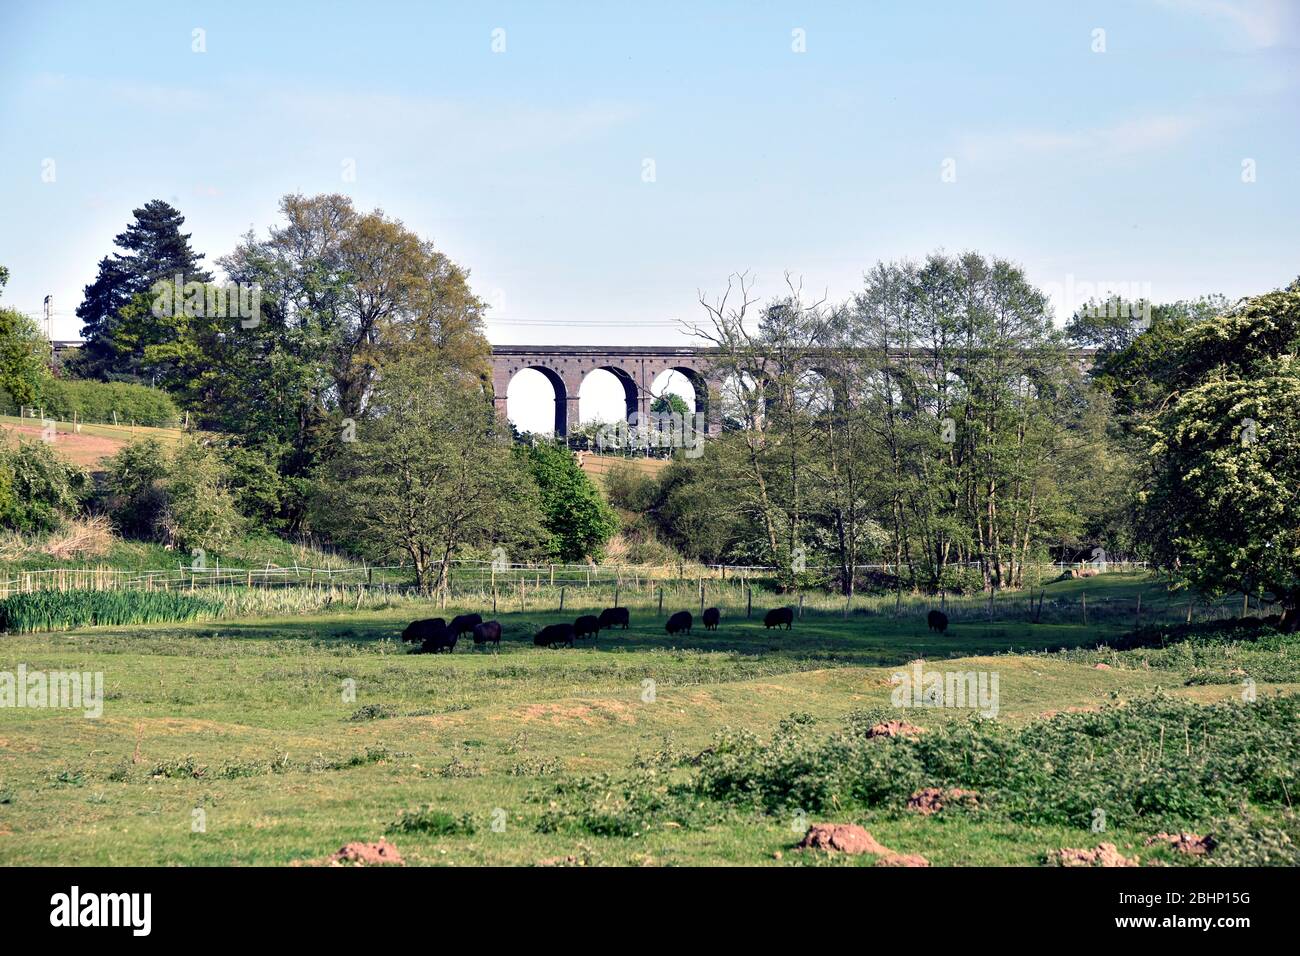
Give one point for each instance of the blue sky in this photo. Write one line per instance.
(527, 166)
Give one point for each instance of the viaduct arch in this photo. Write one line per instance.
(636, 368)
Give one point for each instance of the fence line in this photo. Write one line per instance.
(464, 573)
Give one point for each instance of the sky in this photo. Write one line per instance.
(598, 167)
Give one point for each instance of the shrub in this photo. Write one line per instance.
(63, 610)
(38, 489)
(431, 820)
(131, 486)
(180, 497)
(200, 512)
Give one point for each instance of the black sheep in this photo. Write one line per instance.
(554, 634)
(442, 639)
(417, 631)
(614, 616)
(680, 623)
(463, 624)
(711, 618)
(938, 621)
(587, 625)
(778, 616)
(489, 632)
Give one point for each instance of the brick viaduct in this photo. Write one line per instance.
(636, 367)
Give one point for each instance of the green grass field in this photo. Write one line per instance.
(248, 721)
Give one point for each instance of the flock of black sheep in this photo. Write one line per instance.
(435, 634)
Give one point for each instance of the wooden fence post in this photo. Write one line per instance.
(801, 605)
(749, 601)
(561, 598)
(661, 601)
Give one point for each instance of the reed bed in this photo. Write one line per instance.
(63, 610)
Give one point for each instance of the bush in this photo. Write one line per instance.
(63, 610)
(38, 489)
(97, 401)
(200, 512)
(179, 496)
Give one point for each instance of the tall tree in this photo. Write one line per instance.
(24, 354)
(428, 478)
(153, 249)
(1221, 505)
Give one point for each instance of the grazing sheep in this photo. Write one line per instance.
(587, 625)
(417, 631)
(614, 616)
(463, 624)
(554, 634)
(778, 616)
(680, 623)
(489, 632)
(442, 639)
(711, 618)
(938, 621)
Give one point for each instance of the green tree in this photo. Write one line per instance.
(154, 249)
(670, 402)
(578, 520)
(1221, 506)
(427, 478)
(24, 357)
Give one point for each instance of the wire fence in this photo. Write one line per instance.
(464, 575)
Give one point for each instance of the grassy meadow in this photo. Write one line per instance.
(640, 748)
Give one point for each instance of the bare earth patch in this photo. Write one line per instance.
(1103, 854)
(933, 799)
(894, 728)
(382, 853)
(596, 712)
(1189, 843)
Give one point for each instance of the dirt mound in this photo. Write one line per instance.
(1103, 854)
(933, 799)
(569, 860)
(1101, 667)
(382, 853)
(1188, 843)
(852, 839)
(842, 838)
(894, 728)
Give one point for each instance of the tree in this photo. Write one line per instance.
(578, 520)
(670, 403)
(352, 290)
(427, 477)
(24, 357)
(1221, 504)
(154, 249)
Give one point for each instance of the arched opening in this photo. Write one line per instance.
(816, 392)
(743, 402)
(607, 395)
(681, 383)
(536, 401)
